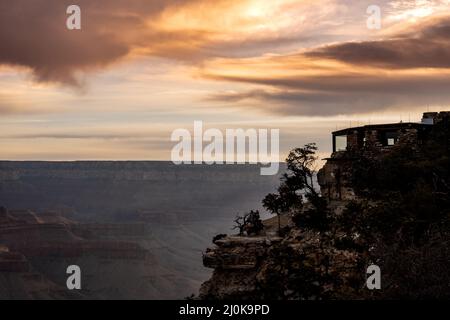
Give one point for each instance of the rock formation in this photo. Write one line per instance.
(403, 226)
(135, 227)
(35, 250)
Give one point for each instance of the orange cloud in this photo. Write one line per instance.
(34, 35)
(402, 70)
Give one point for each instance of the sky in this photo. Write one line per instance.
(139, 69)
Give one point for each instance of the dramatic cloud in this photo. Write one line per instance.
(160, 65)
(404, 70)
(426, 47)
(33, 34)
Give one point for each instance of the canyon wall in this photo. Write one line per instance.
(137, 229)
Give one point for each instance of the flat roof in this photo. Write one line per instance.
(393, 126)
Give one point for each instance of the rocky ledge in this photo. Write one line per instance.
(248, 267)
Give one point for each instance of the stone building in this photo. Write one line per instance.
(372, 141)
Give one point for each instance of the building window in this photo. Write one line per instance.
(340, 143)
(391, 138)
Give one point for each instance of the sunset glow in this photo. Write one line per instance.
(139, 69)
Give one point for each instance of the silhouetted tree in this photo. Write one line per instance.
(302, 167)
(296, 183)
(239, 222)
(250, 223)
(253, 224)
(274, 203)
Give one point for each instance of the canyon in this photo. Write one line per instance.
(136, 229)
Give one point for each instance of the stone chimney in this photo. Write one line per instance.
(435, 117)
(429, 118)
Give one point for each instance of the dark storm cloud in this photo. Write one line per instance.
(33, 34)
(340, 95)
(335, 102)
(426, 47)
(347, 83)
(371, 76)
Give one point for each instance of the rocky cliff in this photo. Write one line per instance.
(273, 267)
(384, 204)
